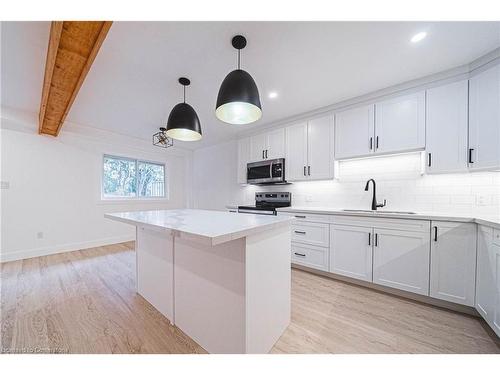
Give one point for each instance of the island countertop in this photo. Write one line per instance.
(214, 226)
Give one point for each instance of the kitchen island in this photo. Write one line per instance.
(222, 278)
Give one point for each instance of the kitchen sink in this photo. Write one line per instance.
(382, 212)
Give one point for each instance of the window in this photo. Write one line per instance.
(131, 178)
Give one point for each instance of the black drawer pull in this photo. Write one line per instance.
(435, 234)
(429, 163)
(299, 232)
(300, 254)
(470, 156)
(300, 217)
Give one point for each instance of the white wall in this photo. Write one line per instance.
(399, 180)
(55, 187)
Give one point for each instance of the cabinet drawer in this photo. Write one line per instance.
(310, 256)
(311, 233)
(496, 236)
(302, 216)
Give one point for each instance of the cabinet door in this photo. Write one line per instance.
(275, 144)
(484, 119)
(401, 260)
(243, 159)
(400, 124)
(485, 285)
(296, 152)
(319, 148)
(351, 251)
(354, 132)
(446, 128)
(495, 255)
(453, 262)
(258, 145)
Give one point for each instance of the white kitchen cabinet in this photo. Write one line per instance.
(453, 262)
(296, 152)
(275, 144)
(320, 148)
(310, 256)
(351, 251)
(269, 145)
(400, 124)
(243, 159)
(484, 119)
(309, 154)
(488, 278)
(446, 128)
(354, 132)
(401, 260)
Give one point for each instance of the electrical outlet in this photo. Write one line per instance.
(4, 184)
(39, 235)
(481, 200)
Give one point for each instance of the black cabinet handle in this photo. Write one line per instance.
(429, 159)
(435, 234)
(300, 217)
(305, 170)
(376, 239)
(309, 170)
(470, 155)
(369, 238)
(376, 142)
(371, 143)
(263, 157)
(299, 232)
(266, 153)
(300, 254)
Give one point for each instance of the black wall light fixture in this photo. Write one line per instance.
(183, 123)
(161, 139)
(238, 101)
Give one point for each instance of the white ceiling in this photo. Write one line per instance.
(133, 82)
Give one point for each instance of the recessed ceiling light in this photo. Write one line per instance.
(418, 37)
(273, 95)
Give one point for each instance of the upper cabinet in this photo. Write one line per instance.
(354, 132)
(390, 126)
(484, 119)
(243, 159)
(400, 124)
(269, 145)
(309, 150)
(446, 128)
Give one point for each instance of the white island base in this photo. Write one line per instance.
(229, 297)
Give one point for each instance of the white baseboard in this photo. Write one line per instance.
(48, 250)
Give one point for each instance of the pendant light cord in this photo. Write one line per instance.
(239, 59)
(184, 93)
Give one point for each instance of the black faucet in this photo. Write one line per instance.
(374, 199)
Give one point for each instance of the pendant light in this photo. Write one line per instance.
(183, 123)
(238, 101)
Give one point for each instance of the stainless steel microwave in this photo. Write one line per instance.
(266, 172)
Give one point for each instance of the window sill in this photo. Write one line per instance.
(126, 201)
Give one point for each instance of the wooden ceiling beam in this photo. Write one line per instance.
(73, 46)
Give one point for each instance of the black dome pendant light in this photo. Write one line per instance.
(183, 123)
(238, 101)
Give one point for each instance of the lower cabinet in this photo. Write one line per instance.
(351, 251)
(401, 260)
(488, 278)
(310, 256)
(453, 262)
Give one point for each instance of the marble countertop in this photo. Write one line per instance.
(214, 226)
(492, 221)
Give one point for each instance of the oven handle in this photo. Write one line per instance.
(257, 212)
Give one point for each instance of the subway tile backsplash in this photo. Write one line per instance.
(401, 181)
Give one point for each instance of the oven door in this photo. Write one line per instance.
(265, 172)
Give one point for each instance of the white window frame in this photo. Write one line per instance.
(135, 198)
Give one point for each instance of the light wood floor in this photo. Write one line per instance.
(85, 302)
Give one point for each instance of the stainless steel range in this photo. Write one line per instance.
(266, 203)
